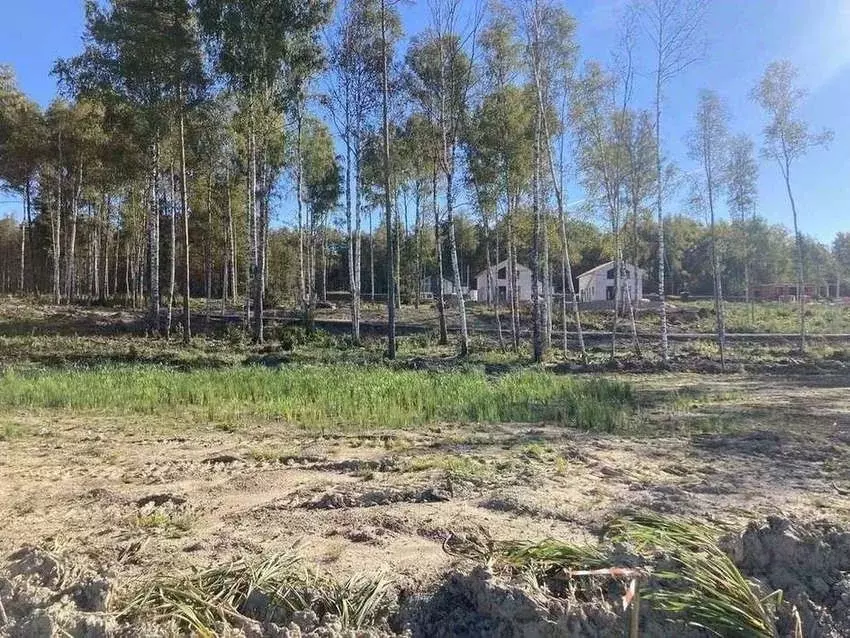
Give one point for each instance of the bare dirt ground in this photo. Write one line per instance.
(133, 497)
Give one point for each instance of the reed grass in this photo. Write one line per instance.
(322, 396)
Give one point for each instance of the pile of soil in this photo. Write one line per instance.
(42, 597)
(809, 562)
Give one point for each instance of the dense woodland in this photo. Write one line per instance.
(256, 153)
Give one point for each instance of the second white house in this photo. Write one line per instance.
(599, 284)
(501, 284)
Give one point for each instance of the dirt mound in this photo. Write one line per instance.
(42, 595)
(353, 498)
(480, 604)
(809, 563)
(42, 598)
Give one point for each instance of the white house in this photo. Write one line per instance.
(598, 284)
(429, 287)
(501, 283)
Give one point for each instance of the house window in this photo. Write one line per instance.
(611, 273)
(503, 273)
(609, 293)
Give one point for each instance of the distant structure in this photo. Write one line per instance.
(429, 287)
(499, 288)
(783, 292)
(599, 283)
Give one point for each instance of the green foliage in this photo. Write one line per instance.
(321, 170)
(455, 467)
(292, 336)
(319, 396)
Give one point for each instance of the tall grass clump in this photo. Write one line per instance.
(326, 395)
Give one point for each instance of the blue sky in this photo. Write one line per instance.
(743, 37)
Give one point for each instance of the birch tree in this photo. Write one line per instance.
(708, 145)
(442, 77)
(266, 50)
(673, 27)
(504, 127)
(552, 52)
(787, 139)
(21, 152)
(741, 177)
(356, 63)
(146, 55)
(603, 134)
(321, 193)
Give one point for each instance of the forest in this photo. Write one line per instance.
(258, 153)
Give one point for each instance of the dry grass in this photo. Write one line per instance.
(268, 590)
(704, 587)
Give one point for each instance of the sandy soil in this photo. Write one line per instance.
(140, 496)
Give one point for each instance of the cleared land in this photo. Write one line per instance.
(124, 460)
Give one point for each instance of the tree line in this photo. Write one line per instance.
(185, 127)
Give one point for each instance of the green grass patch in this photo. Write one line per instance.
(455, 466)
(10, 431)
(320, 396)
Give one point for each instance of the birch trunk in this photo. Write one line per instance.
(31, 245)
(208, 265)
(184, 209)
(536, 336)
(618, 272)
(513, 286)
(418, 241)
(23, 258)
(249, 245)
(662, 293)
(371, 258)
(56, 235)
(801, 303)
(385, 96)
(231, 243)
(718, 286)
(349, 223)
(299, 179)
(172, 249)
(105, 235)
(357, 268)
(71, 266)
(153, 247)
(464, 333)
(547, 285)
(257, 206)
(440, 301)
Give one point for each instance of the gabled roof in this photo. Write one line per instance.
(607, 265)
(500, 265)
